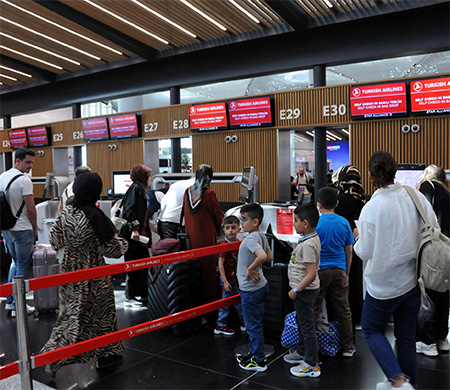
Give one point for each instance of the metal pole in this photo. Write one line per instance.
(23, 345)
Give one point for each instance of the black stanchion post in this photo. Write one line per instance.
(23, 345)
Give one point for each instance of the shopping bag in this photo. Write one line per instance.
(328, 338)
(289, 337)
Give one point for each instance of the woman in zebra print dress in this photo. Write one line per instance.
(87, 308)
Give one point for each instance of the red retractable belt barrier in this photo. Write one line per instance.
(133, 331)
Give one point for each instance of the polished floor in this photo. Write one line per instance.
(201, 360)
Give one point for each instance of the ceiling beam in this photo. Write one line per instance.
(290, 12)
(36, 72)
(97, 27)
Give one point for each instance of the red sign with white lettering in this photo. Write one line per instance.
(18, 138)
(251, 112)
(211, 116)
(95, 129)
(38, 136)
(378, 101)
(431, 96)
(285, 221)
(123, 126)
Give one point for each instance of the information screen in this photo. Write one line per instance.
(123, 126)
(206, 117)
(431, 96)
(121, 182)
(95, 129)
(18, 138)
(378, 101)
(253, 112)
(38, 136)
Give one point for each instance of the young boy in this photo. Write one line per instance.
(304, 280)
(228, 268)
(336, 240)
(253, 252)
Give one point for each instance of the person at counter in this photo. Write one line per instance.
(67, 195)
(301, 180)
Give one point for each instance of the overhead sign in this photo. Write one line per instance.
(252, 112)
(211, 116)
(431, 96)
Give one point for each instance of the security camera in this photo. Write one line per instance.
(234, 138)
(113, 146)
(406, 128)
(415, 128)
(110, 147)
(227, 139)
(40, 153)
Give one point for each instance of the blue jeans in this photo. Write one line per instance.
(253, 312)
(376, 315)
(20, 246)
(223, 313)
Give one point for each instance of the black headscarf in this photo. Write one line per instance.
(348, 180)
(203, 178)
(87, 189)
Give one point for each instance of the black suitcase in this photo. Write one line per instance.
(278, 304)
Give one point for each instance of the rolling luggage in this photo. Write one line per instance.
(173, 288)
(45, 263)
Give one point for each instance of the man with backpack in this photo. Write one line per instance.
(20, 237)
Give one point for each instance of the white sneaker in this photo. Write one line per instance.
(443, 345)
(133, 302)
(9, 306)
(305, 370)
(349, 353)
(293, 358)
(388, 386)
(427, 350)
(30, 310)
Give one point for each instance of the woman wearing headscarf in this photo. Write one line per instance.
(350, 203)
(86, 308)
(203, 218)
(432, 185)
(134, 210)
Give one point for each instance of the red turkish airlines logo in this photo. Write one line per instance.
(418, 86)
(356, 92)
(193, 110)
(233, 105)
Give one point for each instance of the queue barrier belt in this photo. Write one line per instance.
(123, 334)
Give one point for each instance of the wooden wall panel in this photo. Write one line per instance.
(67, 133)
(42, 165)
(258, 148)
(4, 141)
(430, 145)
(165, 122)
(104, 161)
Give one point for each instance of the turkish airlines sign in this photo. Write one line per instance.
(430, 96)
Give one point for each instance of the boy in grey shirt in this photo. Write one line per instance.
(253, 252)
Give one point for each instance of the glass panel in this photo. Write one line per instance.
(165, 155)
(143, 102)
(216, 91)
(99, 108)
(186, 154)
(37, 118)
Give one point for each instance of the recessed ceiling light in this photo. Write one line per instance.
(123, 20)
(1, 83)
(62, 27)
(268, 10)
(164, 18)
(240, 8)
(31, 57)
(8, 77)
(15, 71)
(201, 13)
(346, 131)
(39, 48)
(50, 38)
(309, 133)
(329, 5)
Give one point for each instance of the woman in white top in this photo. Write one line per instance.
(389, 228)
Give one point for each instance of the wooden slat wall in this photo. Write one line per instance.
(169, 121)
(104, 161)
(42, 165)
(257, 148)
(430, 145)
(67, 133)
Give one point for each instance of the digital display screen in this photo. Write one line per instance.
(95, 129)
(378, 100)
(123, 126)
(252, 112)
(206, 117)
(409, 174)
(121, 182)
(18, 138)
(431, 96)
(38, 136)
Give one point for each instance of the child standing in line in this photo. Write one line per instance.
(304, 280)
(253, 252)
(336, 240)
(228, 268)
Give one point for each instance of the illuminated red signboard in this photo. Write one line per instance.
(123, 126)
(18, 138)
(431, 96)
(95, 129)
(211, 116)
(378, 101)
(38, 136)
(253, 112)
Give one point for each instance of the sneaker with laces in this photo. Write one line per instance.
(248, 355)
(250, 364)
(427, 350)
(9, 306)
(350, 352)
(388, 386)
(293, 357)
(223, 330)
(30, 310)
(132, 302)
(443, 345)
(305, 370)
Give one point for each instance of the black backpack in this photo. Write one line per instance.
(8, 219)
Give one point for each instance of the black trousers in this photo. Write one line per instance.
(168, 229)
(136, 282)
